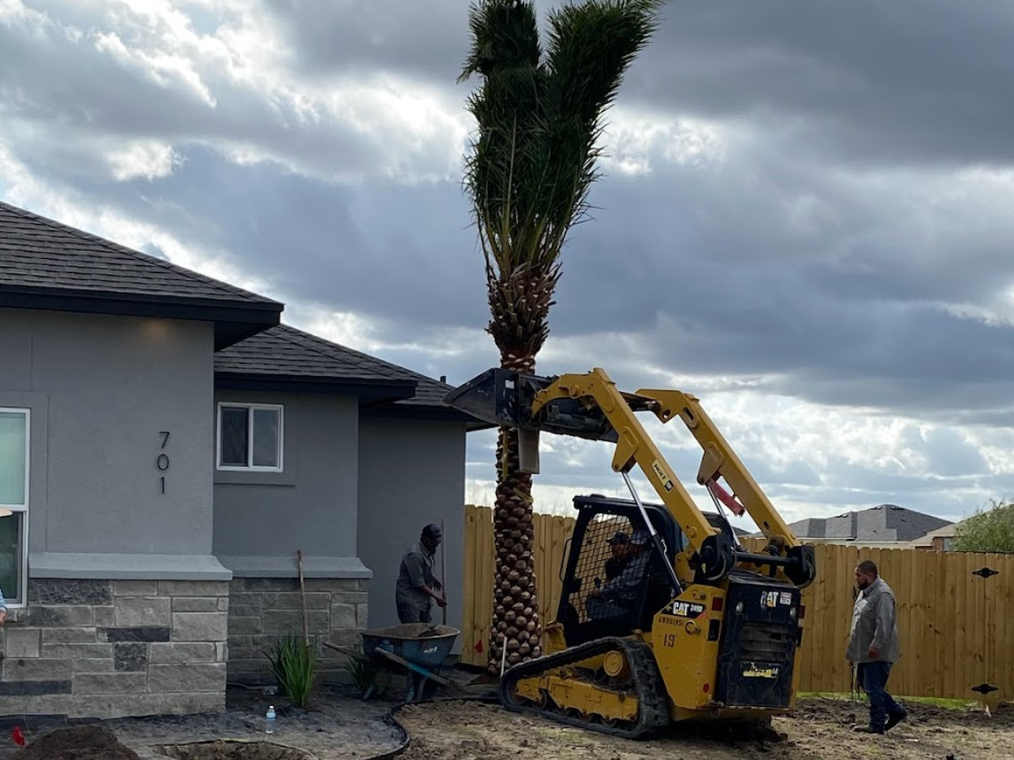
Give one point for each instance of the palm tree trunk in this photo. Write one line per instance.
(516, 623)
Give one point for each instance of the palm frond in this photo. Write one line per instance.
(533, 158)
(505, 35)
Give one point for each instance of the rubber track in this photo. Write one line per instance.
(653, 713)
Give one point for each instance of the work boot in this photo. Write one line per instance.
(896, 717)
(867, 729)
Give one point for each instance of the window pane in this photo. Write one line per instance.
(10, 557)
(266, 449)
(12, 458)
(235, 441)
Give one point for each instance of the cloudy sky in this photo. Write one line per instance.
(803, 218)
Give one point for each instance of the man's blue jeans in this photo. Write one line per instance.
(872, 677)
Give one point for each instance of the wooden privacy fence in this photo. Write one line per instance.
(951, 610)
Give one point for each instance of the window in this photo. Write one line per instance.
(250, 437)
(14, 464)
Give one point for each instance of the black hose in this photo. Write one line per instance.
(406, 739)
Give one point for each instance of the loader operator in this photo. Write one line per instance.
(417, 586)
(621, 594)
(619, 543)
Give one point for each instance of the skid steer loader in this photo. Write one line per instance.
(689, 626)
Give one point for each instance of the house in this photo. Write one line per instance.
(167, 446)
(939, 540)
(886, 524)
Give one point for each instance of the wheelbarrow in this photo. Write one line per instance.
(417, 649)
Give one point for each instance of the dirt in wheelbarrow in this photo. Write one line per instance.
(819, 730)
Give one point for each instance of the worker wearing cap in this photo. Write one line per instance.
(620, 595)
(417, 587)
(619, 542)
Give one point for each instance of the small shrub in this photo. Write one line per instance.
(295, 666)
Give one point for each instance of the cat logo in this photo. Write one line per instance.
(691, 610)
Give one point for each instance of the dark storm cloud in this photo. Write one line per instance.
(428, 40)
(108, 87)
(394, 254)
(715, 274)
(907, 81)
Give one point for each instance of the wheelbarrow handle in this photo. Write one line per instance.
(350, 652)
(411, 666)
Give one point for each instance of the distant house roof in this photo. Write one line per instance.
(948, 531)
(886, 522)
(48, 265)
(284, 358)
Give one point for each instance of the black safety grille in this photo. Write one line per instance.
(765, 642)
(597, 563)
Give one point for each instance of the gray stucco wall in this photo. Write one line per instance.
(101, 389)
(410, 473)
(262, 519)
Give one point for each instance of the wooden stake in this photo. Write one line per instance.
(302, 597)
(443, 568)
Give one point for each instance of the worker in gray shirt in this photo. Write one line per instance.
(874, 647)
(417, 587)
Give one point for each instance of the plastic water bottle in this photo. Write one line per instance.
(269, 721)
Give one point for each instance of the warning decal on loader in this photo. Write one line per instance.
(753, 670)
(666, 480)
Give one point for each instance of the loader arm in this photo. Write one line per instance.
(633, 446)
(720, 460)
(589, 405)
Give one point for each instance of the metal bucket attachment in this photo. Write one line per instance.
(491, 397)
(504, 398)
(528, 451)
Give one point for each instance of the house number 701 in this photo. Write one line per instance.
(162, 461)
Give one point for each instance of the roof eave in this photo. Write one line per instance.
(427, 412)
(234, 321)
(369, 391)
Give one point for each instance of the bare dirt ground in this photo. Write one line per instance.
(819, 730)
(338, 727)
(342, 727)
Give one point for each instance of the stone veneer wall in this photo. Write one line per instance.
(264, 610)
(99, 648)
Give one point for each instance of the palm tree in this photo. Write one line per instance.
(528, 172)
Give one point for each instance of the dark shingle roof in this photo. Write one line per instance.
(284, 351)
(37, 252)
(46, 264)
(298, 359)
(886, 522)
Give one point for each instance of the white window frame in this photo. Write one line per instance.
(22, 509)
(250, 408)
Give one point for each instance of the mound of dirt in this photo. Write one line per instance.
(78, 743)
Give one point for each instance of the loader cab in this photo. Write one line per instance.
(612, 583)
